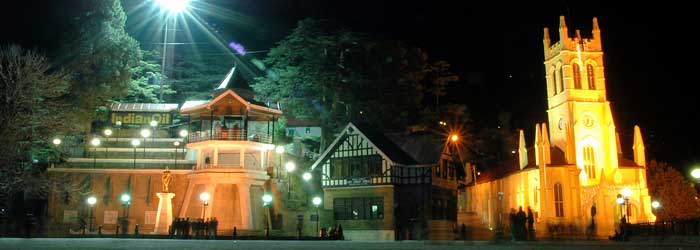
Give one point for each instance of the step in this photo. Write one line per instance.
(126, 163)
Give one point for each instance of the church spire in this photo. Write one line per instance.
(545, 145)
(522, 150)
(563, 30)
(546, 40)
(638, 147)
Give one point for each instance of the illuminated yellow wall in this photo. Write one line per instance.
(579, 117)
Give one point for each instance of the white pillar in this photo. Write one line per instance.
(164, 216)
(244, 201)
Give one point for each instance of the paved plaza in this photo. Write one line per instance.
(156, 244)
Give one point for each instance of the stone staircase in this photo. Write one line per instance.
(476, 230)
(119, 153)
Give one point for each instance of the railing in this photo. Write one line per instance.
(675, 227)
(230, 135)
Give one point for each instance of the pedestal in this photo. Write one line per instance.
(164, 216)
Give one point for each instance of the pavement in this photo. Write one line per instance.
(169, 244)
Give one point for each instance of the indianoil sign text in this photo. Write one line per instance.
(141, 118)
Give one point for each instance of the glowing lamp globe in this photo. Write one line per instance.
(204, 196)
(695, 173)
(91, 200)
(290, 166)
(126, 198)
(655, 204)
(316, 200)
(306, 176)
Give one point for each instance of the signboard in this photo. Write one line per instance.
(110, 217)
(140, 118)
(358, 181)
(70, 216)
(150, 218)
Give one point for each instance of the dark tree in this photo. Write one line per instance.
(327, 74)
(678, 197)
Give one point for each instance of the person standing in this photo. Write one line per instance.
(530, 224)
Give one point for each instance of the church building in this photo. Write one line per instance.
(573, 177)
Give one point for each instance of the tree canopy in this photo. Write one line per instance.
(678, 197)
(325, 73)
(100, 56)
(32, 94)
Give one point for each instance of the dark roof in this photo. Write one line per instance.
(394, 152)
(624, 162)
(424, 147)
(511, 165)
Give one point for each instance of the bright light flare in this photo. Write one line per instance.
(173, 6)
(454, 138)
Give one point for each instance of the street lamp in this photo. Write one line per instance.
(454, 138)
(171, 7)
(107, 133)
(317, 201)
(154, 125)
(95, 142)
(695, 174)
(290, 166)
(119, 129)
(135, 143)
(145, 133)
(267, 201)
(626, 193)
(126, 201)
(56, 142)
(280, 152)
(205, 199)
(655, 204)
(91, 201)
(183, 134)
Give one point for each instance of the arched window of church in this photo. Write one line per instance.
(558, 200)
(577, 76)
(589, 162)
(553, 80)
(561, 79)
(591, 76)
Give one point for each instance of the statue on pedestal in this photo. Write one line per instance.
(167, 178)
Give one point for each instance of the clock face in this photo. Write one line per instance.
(562, 123)
(588, 121)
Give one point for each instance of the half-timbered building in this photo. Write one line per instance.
(390, 186)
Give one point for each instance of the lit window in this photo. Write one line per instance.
(561, 79)
(589, 161)
(577, 76)
(558, 200)
(591, 76)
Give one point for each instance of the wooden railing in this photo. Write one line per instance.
(230, 135)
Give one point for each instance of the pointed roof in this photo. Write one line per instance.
(195, 106)
(379, 141)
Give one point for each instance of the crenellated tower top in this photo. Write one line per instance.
(575, 43)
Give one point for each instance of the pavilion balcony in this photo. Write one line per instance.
(230, 135)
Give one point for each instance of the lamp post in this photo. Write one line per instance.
(171, 7)
(91, 201)
(56, 142)
(177, 146)
(95, 142)
(289, 166)
(280, 151)
(145, 133)
(107, 133)
(500, 212)
(307, 177)
(154, 126)
(626, 193)
(126, 202)
(205, 200)
(317, 202)
(267, 201)
(135, 143)
(620, 201)
(118, 124)
(655, 205)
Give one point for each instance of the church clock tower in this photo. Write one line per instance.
(580, 120)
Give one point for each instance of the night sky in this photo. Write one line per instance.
(495, 47)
